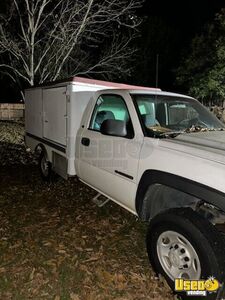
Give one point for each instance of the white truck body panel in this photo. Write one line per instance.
(34, 112)
(105, 154)
(55, 114)
(77, 104)
(182, 160)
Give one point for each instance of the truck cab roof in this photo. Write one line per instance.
(146, 91)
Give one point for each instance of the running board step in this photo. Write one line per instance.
(100, 201)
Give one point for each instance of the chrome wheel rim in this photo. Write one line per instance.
(177, 256)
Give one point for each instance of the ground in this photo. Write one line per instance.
(56, 244)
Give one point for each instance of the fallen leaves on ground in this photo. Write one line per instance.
(12, 147)
(56, 244)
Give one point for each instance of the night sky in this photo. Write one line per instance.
(180, 21)
(167, 30)
(189, 15)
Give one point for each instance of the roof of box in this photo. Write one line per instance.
(111, 84)
(101, 83)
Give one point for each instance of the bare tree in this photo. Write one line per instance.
(44, 40)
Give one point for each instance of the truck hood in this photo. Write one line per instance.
(207, 145)
(210, 139)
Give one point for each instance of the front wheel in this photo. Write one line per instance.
(182, 244)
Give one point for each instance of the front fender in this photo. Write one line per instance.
(193, 189)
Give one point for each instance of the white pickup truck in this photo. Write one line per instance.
(159, 155)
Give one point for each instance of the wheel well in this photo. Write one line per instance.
(159, 198)
(159, 191)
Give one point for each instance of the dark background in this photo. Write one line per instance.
(167, 30)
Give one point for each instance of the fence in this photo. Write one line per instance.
(11, 111)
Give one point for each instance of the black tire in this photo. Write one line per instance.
(206, 240)
(46, 172)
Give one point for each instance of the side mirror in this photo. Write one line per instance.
(114, 128)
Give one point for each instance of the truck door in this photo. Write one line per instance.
(110, 163)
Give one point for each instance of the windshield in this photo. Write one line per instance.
(167, 114)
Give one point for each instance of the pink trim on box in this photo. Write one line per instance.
(111, 84)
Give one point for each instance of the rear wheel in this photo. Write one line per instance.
(45, 167)
(182, 244)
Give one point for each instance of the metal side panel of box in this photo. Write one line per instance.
(55, 114)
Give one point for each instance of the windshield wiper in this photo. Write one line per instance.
(172, 134)
(193, 129)
(159, 134)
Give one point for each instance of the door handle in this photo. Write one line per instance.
(85, 141)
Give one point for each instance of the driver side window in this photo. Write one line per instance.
(109, 107)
